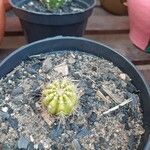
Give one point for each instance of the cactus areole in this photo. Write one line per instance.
(59, 97)
(53, 4)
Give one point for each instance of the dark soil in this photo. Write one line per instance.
(25, 125)
(73, 6)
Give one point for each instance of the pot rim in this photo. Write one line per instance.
(52, 14)
(76, 38)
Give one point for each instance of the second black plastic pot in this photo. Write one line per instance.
(38, 25)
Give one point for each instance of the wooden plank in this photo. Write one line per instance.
(98, 3)
(103, 22)
(100, 22)
(14, 42)
(4, 53)
(120, 42)
(145, 70)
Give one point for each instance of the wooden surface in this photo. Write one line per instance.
(102, 27)
(100, 22)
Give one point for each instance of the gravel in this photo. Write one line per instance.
(22, 143)
(24, 124)
(71, 6)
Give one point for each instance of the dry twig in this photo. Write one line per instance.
(117, 107)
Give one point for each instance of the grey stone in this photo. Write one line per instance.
(13, 122)
(132, 142)
(74, 127)
(40, 147)
(5, 147)
(76, 76)
(22, 143)
(55, 133)
(103, 143)
(8, 109)
(30, 146)
(36, 66)
(54, 147)
(31, 70)
(4, 115)
(35, 85)
(47, 65)
(131, 88)
(92, 118)
(83, 132)
(4, 128)
(76, 144)
(18, 100)
(17, 91)
(62, 69)
(71, 60)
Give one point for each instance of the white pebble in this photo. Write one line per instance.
(122, 76)
(6, 98)
(48, 77)
(37, 105)
(35, 146)
(4, 109)
(31, 3)
(31, 138)
(10, 82)
(45, 145)
(40, 70)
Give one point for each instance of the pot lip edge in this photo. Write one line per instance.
(82, 39)
(53, 14)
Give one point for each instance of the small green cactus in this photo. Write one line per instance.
(53, 4)
(59, 97)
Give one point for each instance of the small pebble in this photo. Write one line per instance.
(45, 145)
(30, 146)
(76, 145)
(47, 65)
(4, 147)
(62, 68)
(22, 143)
(17, 91)
(6, 98)
(13, 122)
(31, 3)
(84, 132)
(36, 146)
(40, 147)
(122, 76)
(5, 109)
(31, 138)
(71, 60)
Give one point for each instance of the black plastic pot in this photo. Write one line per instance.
(88, 46)
(38, 25)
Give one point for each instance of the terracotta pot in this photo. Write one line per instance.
(114, 6)
(4, 5)
(2, 19)
(139, 18)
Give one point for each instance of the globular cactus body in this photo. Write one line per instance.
(53, 4)
(59, 97)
